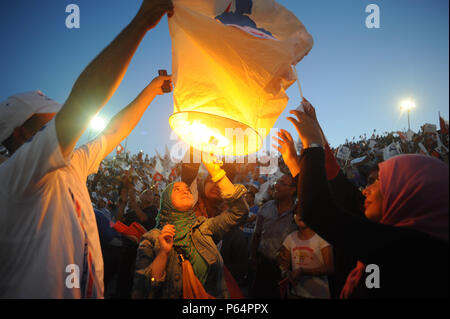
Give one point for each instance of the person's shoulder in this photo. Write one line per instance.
(292, 236)
(268, 204)
(316, 238)
(267, 209)
(3, 159)
(290, 240)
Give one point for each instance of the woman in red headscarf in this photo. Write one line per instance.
(402, 243)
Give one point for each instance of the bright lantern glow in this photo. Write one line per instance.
(216, 134)
(202, 134)
(97, 124)
(230, 85)
(407, 105)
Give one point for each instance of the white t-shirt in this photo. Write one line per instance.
(308, 254)
(48, 229)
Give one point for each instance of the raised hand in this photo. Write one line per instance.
(166, 238)
(307, 126)
(311, 111)
(156, 85)
(152, 11)
(286, 147)
(213, 166)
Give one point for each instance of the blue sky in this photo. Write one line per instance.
(354, 76)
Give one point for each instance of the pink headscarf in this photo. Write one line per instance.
(415, 194)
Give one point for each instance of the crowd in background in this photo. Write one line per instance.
(126, 191)
(77, 225)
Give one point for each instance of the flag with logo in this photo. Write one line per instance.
(343, 153)
(429, 128)
(233, 58)
(392, 150)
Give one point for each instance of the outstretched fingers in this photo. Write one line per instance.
(286, 135)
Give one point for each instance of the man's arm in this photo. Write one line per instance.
(98, 82)
(126, 120)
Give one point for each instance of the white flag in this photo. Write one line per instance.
(158, 167)
(343, 153)
(391, 151)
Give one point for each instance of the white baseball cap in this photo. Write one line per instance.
(20, 107)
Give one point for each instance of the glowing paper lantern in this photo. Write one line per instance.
(231, 66)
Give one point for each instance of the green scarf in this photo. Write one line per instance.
(183, 222)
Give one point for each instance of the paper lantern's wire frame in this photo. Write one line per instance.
(298, 82)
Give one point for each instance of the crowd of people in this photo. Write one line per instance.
(140, 226)
(128, 188)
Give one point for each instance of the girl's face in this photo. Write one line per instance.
(212, 191)
(374, 201)
(299, 221)
(182, 198)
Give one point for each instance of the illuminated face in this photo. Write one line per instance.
(212, 191)
(283, 187)
(182, 198)
(374, 201)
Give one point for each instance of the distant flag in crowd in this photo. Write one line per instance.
(423, 150)
(392, 150)
(119, 149)
(158, 155)
(402, 135)
(159, 167)
(358, 160)
(443, 125)
(157, 177)
(343, 153)
(429, 128)
(409, 135)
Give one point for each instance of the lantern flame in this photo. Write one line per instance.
(215, 134)
(200, 134)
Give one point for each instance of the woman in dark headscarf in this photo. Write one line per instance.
(179, 258)
(402, 244)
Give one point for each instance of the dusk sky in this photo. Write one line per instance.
(354, 76)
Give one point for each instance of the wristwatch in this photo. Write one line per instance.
(314, 145)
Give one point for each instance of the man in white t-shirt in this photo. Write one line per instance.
(49, 243)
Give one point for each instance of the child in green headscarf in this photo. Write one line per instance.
(182, 222)
(179, 232)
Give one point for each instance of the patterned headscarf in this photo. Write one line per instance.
(183, 223)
